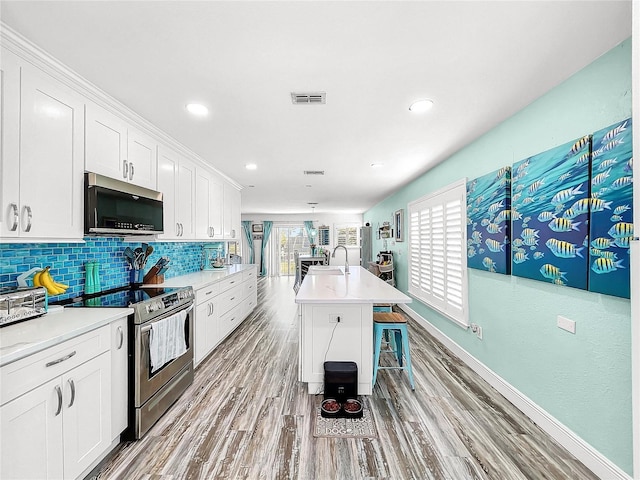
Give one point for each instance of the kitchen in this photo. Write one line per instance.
(597, 427)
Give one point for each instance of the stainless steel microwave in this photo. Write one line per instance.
(113, 207)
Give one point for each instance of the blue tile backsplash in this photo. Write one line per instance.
(67, 260)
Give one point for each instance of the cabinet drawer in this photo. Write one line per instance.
(230, 282)
(248, 274)
(230, 320)
(206, 293)
(249, 303)
(25, 374)
(229, 299)
(248, 288)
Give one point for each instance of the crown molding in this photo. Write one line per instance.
(41, 59)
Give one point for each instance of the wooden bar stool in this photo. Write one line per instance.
(397, 324)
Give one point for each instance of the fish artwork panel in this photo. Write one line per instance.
(489, 211)
(611, 221)
(556, 206)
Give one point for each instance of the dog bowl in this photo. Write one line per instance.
(330, 408)
(352, 408)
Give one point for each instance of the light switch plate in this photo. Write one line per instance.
(566, 324)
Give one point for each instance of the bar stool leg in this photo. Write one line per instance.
(376, 348)
(398, 335)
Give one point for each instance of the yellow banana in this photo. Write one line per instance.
(60, 285)
(47, 282)
(36, 278)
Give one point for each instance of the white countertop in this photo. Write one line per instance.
(31, 336)
(358, 286)
(204, 277)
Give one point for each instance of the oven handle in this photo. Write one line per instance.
(146, 328)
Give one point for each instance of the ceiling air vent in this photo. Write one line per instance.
(316, 98)
(314, 172)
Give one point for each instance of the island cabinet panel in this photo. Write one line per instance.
(336, 332)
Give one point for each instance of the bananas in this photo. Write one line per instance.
(44, 279)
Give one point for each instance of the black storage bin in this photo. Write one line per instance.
(340, 380)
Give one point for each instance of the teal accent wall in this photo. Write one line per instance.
(583, 380)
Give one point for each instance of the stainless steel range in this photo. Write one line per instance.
(161, 327)
(155, 390)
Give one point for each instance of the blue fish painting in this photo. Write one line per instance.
(611, 222)
(556, 204)
(488, 222)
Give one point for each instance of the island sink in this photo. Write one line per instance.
(324, 270)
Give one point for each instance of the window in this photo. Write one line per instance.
(347, 235)
(437, 265)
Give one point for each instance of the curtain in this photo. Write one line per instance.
(246, 227)
(267, 224)
(311, 234)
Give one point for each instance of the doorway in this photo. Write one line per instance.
(291, 238)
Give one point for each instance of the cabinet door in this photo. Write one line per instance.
(142, 156)
(236, 222)
(119, 377)
(216, 199)
(106, 143)
(51, 158)
(203, 204)
(186, 198)
(86, 414)
(31, 434)
(200, 333)
(10, 144)
(168, 185)
(231, 212)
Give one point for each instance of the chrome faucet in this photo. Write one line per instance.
(346, 257)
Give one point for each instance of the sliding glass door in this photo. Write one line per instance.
(290, 238)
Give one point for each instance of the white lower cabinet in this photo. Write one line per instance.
(60, 428)
(119, 377)
(220, 308)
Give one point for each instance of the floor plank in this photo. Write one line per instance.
(247, 417)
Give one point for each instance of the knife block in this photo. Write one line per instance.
(153, 277)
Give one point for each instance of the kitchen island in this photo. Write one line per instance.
(335, 316)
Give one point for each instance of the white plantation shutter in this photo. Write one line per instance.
(437, 238)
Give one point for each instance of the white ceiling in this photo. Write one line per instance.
(480, 61)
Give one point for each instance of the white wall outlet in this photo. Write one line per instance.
(334, 318)
(566, 324)
(477, 329)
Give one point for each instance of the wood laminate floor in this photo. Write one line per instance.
(247, 417)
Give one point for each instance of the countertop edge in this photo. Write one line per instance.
(110, 315)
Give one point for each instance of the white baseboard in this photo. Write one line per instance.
(584, 452)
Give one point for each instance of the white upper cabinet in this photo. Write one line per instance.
(176, 181)
(42, 154)
(116, 150)
(208, 205)
(231, 212)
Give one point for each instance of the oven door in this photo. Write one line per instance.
(146, 384)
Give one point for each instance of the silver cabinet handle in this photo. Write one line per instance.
(181, 229)
(232, 298)
(125, 169)
(16, 217)
(59, 392)
(130, 171)
(29, 217)
(177, 229)
(73, 393)
(121, 333)
(60, 360)
(233, 233)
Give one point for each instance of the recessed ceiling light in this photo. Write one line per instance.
(421, 106)
(197, 109)
(250, 166)
(307, 186)
(251, 186)
(376, 165)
